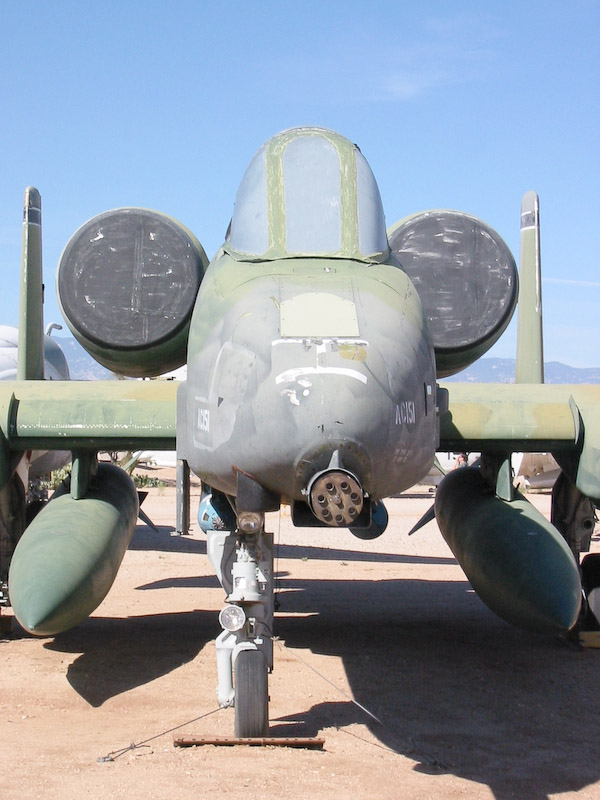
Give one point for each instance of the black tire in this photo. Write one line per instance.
(590, 580)
(251, 695)
(590, 571)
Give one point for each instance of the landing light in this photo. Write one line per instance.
(232, 618)
(250, 521)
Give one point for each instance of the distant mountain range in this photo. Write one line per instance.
(82, 366)
(502, 370)
(486, 370)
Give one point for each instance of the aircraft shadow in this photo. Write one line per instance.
(120, 654)
(188, 582)
(163, 540)
(455, 688)
(299, 551)
(307, 553)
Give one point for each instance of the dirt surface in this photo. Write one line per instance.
(468, 706)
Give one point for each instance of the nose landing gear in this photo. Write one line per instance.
(243, 563)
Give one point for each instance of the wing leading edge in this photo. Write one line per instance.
(93, 416)
(561, 419)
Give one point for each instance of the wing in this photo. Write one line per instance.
(520, 564)
(88, 415)
(561, 419)
(55, 580)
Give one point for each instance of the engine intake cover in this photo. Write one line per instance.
(127, 282)
(466, 278)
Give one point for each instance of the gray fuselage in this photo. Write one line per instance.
(290, 360)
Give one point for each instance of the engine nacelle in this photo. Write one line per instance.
(126, 284)
(466, 278)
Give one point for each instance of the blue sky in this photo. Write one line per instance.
(461, 105)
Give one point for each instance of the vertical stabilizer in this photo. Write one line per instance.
(30, 365)
(530, 346)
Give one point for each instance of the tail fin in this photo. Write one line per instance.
(30, 364)
(530, 344)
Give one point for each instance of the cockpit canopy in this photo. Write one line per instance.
(308, 192)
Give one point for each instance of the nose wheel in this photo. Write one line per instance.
(244, 565)
(251, 695)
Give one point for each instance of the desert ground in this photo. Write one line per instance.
(466, 705)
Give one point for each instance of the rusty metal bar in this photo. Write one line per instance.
(307, 742)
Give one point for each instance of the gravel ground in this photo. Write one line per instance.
(467, 706)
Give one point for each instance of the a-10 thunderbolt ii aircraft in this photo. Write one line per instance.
(314, 340)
